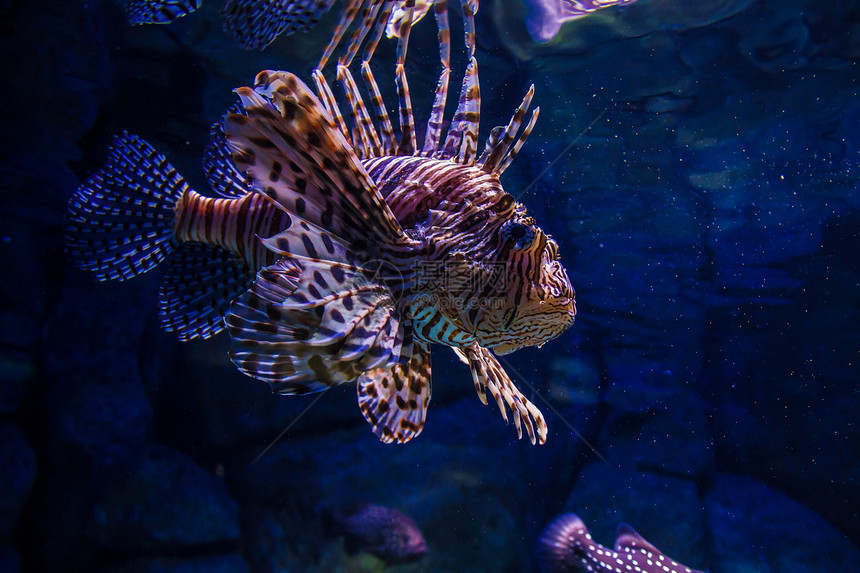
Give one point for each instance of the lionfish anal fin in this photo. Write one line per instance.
(197, 288)
(394, 400)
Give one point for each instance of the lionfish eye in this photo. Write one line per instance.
(519, 234)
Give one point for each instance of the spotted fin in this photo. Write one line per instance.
(119, 222)
(305, 239)
(254, 24)
(294, 154)
(158, 11)
(488, 375)
(308, 324)
(394, 400)
(221, 172)
(626, 539)
(197, 288)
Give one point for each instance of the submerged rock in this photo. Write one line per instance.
(17, 474)
(666, 510)
(10, 562)
(231, 563)
(754, 528)
(162, 499)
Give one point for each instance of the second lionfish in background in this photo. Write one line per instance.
(339, 252)
(254, 24)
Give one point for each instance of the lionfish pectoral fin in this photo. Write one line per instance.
(394, 400)
(119, 222)
(465, 360)
(197, 288)
(488, 375)
(158, 11)
(304, 239)
(308, 324)
(296, 156)
(254, 24)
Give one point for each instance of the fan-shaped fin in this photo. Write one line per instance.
(197, 288)
(309, 324)
(394, 400)
(489, 375)
(297, 158)
(218, 166)
(119, 222)
(158, 11)
(254, 24)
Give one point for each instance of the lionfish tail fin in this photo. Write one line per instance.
(120, 221)
(158, 11)
(394, 400)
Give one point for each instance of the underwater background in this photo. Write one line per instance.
(698, 163)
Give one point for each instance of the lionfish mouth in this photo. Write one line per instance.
(554, 324)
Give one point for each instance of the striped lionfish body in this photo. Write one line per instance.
(339, 251)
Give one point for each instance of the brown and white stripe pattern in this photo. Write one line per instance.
(235, 225)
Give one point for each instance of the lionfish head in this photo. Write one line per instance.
(509, 288)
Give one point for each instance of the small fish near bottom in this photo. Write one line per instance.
(566, 546)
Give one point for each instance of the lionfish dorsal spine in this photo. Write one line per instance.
(385, 128)
(497, 151)
(462, 140)
(520, 141)
(384, 15)
(368, 17)
(363, 128)
(440, 11)
(346, 18)
(407, 143)
(329, 103)
(434, 122)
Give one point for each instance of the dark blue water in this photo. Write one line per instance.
(699, 167)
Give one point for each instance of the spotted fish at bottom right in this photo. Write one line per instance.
(566, 546)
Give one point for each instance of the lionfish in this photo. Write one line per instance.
(253, 24)
(339, 253)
